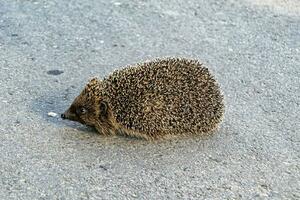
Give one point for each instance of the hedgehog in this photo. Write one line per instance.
(151, 100)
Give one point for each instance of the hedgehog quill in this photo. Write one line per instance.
(151, 100)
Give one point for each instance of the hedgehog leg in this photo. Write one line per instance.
(135, 134)
(106, 129)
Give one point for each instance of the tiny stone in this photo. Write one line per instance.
(14, 35)
(52, 114)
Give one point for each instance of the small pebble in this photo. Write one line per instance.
(52, 114)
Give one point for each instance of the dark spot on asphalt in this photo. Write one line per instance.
(49, 102)
(264, 186)
(14, 35)
(55, 72)
(25, 43)
(103, 167)
(215, 159)
(116, 45)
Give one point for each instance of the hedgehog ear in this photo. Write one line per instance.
(103, 107)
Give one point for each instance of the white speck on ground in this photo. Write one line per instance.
(52, 114)
(117, 3)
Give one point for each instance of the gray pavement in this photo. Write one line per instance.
(252, 47)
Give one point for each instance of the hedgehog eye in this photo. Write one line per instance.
(81, 111)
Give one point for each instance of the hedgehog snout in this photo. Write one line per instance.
(68, 115)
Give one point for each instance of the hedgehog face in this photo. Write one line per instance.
(92, 112)
(82, 110)
(90, 109)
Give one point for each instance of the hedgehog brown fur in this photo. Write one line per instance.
(170, 96)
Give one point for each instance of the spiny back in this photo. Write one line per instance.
(172, 95)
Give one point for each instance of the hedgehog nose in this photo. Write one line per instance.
(63, 116)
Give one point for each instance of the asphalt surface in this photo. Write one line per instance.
(49, 50)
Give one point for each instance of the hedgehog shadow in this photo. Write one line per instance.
(57, 102)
